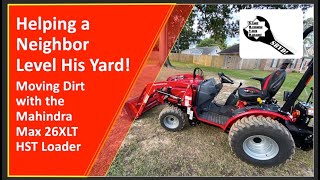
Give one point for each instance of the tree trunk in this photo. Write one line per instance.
(168, 63)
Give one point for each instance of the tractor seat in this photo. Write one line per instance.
(270, 85)
(250, 94)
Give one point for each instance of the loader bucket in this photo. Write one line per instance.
(138, 105)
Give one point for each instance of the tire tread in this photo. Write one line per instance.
(173, 110)
(247, 123)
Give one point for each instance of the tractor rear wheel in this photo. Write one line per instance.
(261, 141)
(172, 119)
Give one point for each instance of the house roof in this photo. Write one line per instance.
(193, 50)
(231, 50)
(203, 50)
(207, 50)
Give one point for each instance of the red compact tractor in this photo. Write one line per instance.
(260, 131)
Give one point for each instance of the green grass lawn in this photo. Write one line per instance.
(290, 83)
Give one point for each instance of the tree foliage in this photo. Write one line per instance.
(308, 41)
(212, 42)
(187, 36)
(217, 21)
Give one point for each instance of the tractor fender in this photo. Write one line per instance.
(256, 112)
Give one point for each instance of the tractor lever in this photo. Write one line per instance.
(310, 95)
(257, 78)
(235, 91)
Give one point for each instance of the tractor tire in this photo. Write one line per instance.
(261, 141)
(172, 119)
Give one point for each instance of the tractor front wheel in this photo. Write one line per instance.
(172, 118)
(261, 141)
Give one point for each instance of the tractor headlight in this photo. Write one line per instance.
(310, 111)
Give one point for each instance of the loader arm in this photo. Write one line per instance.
(159, 93)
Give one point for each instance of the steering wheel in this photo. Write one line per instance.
(197, 71)
(224, 78)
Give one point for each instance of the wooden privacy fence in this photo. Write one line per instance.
(235, 62)
(204, 60)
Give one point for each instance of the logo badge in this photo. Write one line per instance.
(271, 34)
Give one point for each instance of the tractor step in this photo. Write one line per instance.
(216, 113)
(214, 117)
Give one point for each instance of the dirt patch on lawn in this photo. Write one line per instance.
(150, 150)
